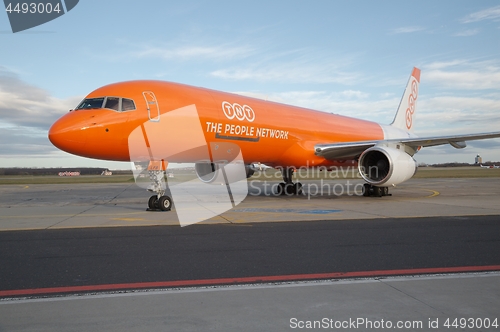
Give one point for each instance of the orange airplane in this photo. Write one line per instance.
(130, 121)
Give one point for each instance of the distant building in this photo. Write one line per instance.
(69, 173)
(478, 160)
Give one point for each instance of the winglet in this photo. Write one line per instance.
(405, 116)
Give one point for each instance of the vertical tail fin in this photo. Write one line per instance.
(405, 116)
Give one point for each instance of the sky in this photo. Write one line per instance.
(347, 57)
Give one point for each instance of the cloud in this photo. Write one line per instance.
(463, 74)
(292, 67)
(467, 33)
(452, 115)
(177, 51)
(287, 73)
(488, 144)
(492, 13)
(20, 142)
(219, 52)
(488, 149)
(409, 29)
(26, 113)
(22, 104)
(347, 103)
(443, 64)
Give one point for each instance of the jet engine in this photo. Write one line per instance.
(386, 166)
(210, 172)
(206, 172)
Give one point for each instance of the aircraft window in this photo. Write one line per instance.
(112, 103)
(128, 104)
(90, 103)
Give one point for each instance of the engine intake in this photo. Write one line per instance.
(210, 172)
(386, 166)
(206, 172)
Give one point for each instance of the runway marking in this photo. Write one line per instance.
(244, 280)
(71, 215)
(239, 287)
(301, 211)
(434, 193)
(128, 219)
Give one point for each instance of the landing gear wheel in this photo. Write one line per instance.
(370, 190)
(298, 188)
(289, 189)
(153, 203)
(280, 189)
(366, 190)
(165, 203)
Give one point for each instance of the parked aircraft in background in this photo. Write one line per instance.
(104, 124)
(491, 166)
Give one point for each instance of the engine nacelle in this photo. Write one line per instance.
(206, 172)
(250, 170)
(386, 166)
(210, 172)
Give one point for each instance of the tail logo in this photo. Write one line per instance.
(412, 99)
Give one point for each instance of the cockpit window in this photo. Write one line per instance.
(112, 103)
(90, 103)
(127, 105)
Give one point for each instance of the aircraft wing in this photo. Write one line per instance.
(343, 150)
(346, 150)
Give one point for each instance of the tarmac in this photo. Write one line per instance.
(117, 205)
(418, 302)
(425, 303)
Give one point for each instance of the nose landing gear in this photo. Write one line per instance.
(160, 201)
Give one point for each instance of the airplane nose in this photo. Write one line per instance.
(67, 136)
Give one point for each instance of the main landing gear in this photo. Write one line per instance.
(374, 191)
(160, 201)
(288, 187)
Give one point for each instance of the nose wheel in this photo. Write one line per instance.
(160, 201)
(153, 203)
(164, 203)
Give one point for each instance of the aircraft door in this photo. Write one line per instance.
(152, 106)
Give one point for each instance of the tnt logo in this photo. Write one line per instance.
(237, 111)
(24, 14)
(412, 100)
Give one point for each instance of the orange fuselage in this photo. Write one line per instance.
(267, 132)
